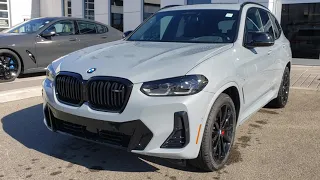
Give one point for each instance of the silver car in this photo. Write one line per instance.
(31, 46)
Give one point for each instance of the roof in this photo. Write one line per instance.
(226, 6)
(204, 6)
(63, 17)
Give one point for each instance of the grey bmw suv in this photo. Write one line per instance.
(31, 46)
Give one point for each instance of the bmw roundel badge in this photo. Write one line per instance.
(91, 70)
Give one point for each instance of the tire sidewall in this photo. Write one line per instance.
(5, 51)
(280, 94)
(207, 140)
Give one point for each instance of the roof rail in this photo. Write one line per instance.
(246, 3)
(169, 6)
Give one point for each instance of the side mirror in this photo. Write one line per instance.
(258, 39)
(126, 34)
(49, 33)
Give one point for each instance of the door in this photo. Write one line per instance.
(273, 57)
(258, 63)
(279, 51)
(61, 43)
(91, 33)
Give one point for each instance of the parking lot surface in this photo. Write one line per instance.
(273, 144)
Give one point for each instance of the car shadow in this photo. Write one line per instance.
(31, 75)
(27, 127)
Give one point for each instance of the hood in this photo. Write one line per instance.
(139, 61)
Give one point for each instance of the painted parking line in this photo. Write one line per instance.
(20, 94)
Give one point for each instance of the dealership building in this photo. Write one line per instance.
(300, 19)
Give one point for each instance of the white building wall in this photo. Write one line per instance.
(50, 8)
(173, 2)
(77, 8)
(299, 1)
(21, 10)
(132, 14)
(102, 11)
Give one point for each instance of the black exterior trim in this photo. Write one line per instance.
(240, 14)
(127, 83)
(178, 116)
(131, 135)
(253, 3)
(170, 6)
(31, 56)
(77, 76)
(85, 90)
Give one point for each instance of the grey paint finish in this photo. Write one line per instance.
(46, 50)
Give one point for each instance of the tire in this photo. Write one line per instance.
(283, 94)
(207, 158)
(10, 65)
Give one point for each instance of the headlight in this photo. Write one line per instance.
(50, 73)
(178, 86)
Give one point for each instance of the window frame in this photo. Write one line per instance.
(245, 27)
(268, 14)
(66, 8)
(276, 24)
(91, 22)
(55, 22)
(8, 19)
(107, 29)
(86, 10)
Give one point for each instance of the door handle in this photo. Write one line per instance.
(72, 39)
(104, 37)
(269, 52)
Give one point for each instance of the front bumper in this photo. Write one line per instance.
(143, 127)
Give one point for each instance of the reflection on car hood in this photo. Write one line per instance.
(139, 61)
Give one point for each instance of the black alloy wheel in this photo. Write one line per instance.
(10, 66)
(222, 133)
(218, 135)
(283, 94)
(285, 87)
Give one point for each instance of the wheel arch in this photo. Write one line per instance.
(230, 88)
(233, 90)
(20, 58)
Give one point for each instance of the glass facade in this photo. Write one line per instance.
(301, 25)
(89, 9)
(189, 2)
(4, 15)
(67, 8)
(150, 7)
(117, 14)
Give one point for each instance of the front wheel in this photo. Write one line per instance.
(218, 136)
(10, 66)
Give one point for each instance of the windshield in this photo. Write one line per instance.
(30, 26)
(201, 26)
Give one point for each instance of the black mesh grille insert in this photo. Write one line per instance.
(69, 89)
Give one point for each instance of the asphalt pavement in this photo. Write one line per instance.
(273, 144)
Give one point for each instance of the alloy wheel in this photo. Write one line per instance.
(222, 134)
(9, 67)
(285, 87)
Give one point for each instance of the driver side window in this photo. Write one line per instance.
(62, 28)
